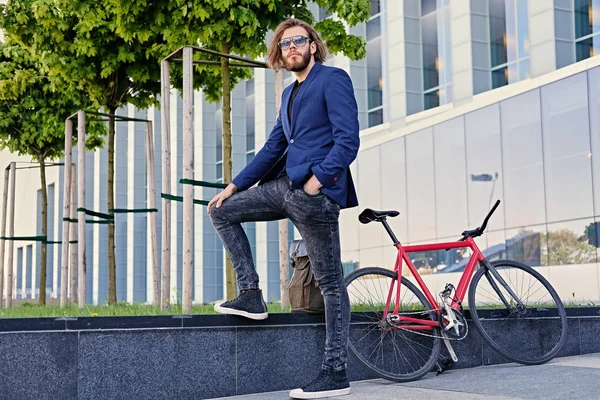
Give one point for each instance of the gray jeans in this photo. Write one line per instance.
(316, 218)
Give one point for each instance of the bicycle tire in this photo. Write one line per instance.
(430, 354)
(533, 343)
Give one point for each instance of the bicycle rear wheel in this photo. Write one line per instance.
(382, 345)
(532, 334)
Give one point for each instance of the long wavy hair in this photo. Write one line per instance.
(274, 56)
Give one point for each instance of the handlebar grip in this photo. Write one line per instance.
(495, 206)
(485, 221)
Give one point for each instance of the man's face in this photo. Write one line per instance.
(296, 59)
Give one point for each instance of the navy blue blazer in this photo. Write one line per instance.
(323, 138)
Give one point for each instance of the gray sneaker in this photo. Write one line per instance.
(327, 384)
(249, 304)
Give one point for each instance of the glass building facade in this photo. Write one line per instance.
(428, 54)
(374, 36)
(587, 28)
(509, 41)
(535, 151)
(437, 54)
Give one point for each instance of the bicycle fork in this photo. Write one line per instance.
(491, 270)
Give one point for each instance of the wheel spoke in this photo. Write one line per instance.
(392, 352)
(515, 332)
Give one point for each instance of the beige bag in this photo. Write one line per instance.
(305, 294)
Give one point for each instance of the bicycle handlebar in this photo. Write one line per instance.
(485, 221)
(479, 230)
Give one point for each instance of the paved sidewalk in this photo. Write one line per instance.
(575, 377)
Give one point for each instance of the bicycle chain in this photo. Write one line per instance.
(434, 336)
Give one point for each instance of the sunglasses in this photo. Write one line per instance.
(299, 41)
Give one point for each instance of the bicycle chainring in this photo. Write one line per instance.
(460, 329)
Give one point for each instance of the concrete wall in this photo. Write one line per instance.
(192, 358)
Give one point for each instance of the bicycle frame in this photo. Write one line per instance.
(463, 284)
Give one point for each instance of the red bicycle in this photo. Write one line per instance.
(396, 329)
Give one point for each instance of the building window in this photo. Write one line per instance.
(587, 28)
(19, 293)
(29, 272)
(250, 120)
(436, 51)
(375, 64)
(509, 41)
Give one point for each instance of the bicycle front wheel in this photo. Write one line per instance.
(529, 334)
(393, 350)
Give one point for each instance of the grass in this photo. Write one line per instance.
(32, 310)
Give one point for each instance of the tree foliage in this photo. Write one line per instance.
(78, 48)
(242, 24)
(32, 112)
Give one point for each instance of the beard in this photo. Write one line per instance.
(300, 65)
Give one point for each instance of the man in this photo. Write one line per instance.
(304, 176)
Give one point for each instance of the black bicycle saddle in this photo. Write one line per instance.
(369, 215)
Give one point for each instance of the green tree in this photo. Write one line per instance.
(80, 49)
(32, 115)
(235, 27)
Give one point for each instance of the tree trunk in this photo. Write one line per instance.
(11, 233)
(112, 265)
(73, 234)
(165, 127)
(44, 252)
(230, 286)
(3, 233)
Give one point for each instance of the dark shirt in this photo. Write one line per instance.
(295, 91)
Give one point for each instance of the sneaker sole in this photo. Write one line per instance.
(299, 394)
(231, 311)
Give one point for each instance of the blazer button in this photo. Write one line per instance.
(291, 140)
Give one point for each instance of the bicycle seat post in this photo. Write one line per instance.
(383, 220)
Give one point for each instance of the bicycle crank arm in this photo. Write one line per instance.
(449, 347)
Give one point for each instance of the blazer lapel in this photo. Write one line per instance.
(285, 100)
(296, 106)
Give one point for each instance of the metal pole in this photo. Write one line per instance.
(3, 232)
(188, 173)
(284, 271)
(64, 278)
(165, 119)
(152, 216)
(73, 233)
(11, 233)
(81, 203)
